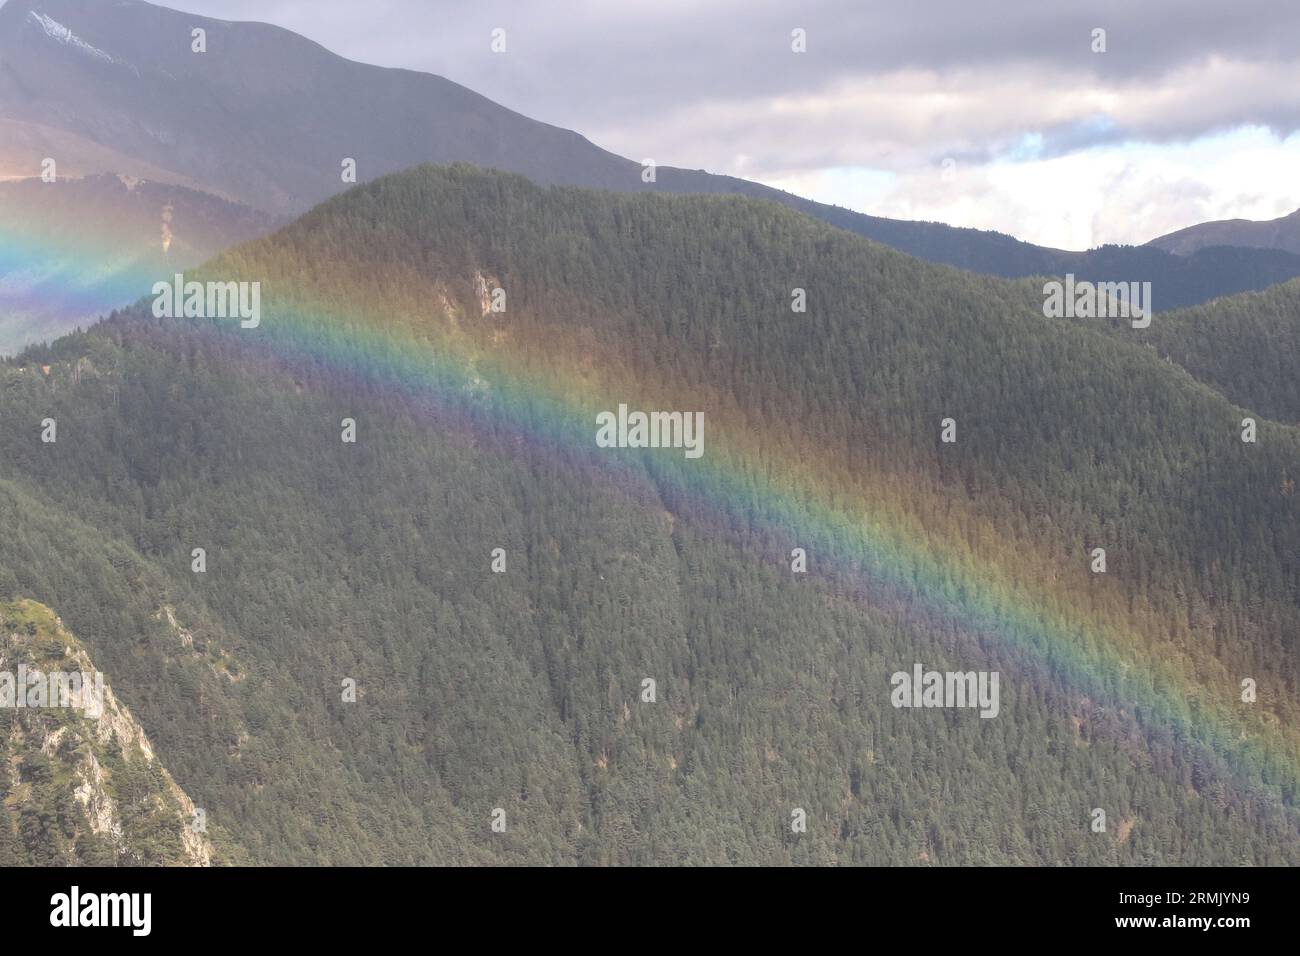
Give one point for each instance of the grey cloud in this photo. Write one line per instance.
(695, 83)
(661, 52)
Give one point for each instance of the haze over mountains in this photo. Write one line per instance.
(265, 119)
(76, 247)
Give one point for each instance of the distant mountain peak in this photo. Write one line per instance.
(1280, 233)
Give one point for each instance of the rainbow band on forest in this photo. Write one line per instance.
(736, 480)
(42, 274)
(556, 410)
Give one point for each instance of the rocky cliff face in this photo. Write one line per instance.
(80, 780)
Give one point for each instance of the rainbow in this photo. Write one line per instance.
(864, 533)
(45, 279)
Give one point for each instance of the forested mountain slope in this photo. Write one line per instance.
(1247, 346)
(524, 691)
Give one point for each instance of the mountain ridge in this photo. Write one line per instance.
(267, 117)
(1281, 233)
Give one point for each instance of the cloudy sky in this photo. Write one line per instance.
(997, 114)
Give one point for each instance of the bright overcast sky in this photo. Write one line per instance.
(988, 113)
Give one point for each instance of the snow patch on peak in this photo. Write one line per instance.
(57, 31)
